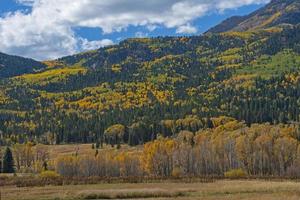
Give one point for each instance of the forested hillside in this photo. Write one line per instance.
(276, 13)
(141, 88)
(13, 66)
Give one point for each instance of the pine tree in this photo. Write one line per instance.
(45, 166)
(97, 144)
(8, 162)
(0, 162)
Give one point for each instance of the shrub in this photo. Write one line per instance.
(49, 175)
(235, 173)
(177, 172)
(293, 171)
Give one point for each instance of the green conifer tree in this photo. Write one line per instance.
(8, 162)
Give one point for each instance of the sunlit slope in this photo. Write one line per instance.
(276, 13)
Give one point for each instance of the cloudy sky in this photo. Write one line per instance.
(47, 29)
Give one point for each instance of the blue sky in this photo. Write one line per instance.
(10, 6)
(48, 29)
(203, 24)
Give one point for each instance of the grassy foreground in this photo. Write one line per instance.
(231, 190)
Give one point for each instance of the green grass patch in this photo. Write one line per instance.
(269, 66)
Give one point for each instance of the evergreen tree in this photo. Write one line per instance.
(45, 166)
(8, 162)
(97, 144)
(0, 162)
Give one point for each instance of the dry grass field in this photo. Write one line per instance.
(228, 190)
(82, 149)
(79, 149)
(69, 149)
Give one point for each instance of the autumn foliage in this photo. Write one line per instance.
(230, 149)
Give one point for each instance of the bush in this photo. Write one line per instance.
(177, 172)
(235, 173)
(49, 175)
(293, 171)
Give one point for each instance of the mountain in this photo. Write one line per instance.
(152, 86)
(14, 65)
(276, 13)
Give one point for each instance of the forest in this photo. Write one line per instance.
(142, 83)
(229, 149)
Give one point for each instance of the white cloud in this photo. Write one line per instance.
(151, 27)
(47, 30)
(187, 29)
(229, 4)
(141, 34)
(26, 2)
(90, 45)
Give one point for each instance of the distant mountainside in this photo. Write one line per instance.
(145, 87)
(278, 12)
(14, 65)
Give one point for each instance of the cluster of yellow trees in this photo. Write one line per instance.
(106, 164)
(259, 150)
(30, 158)
(106, 96)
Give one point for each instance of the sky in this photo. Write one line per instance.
(49, 29)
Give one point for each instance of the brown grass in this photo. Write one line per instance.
(231, 190)
(82, 149)
(132, 194)
(30, 180)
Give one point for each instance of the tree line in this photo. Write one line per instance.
(259, 150)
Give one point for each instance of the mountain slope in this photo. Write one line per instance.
(278, 12)
(14, 65)
(150, 86)
(143, 83)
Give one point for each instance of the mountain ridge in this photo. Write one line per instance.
(15, 65)
(276, 13)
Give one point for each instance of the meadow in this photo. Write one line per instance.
(222, 189)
